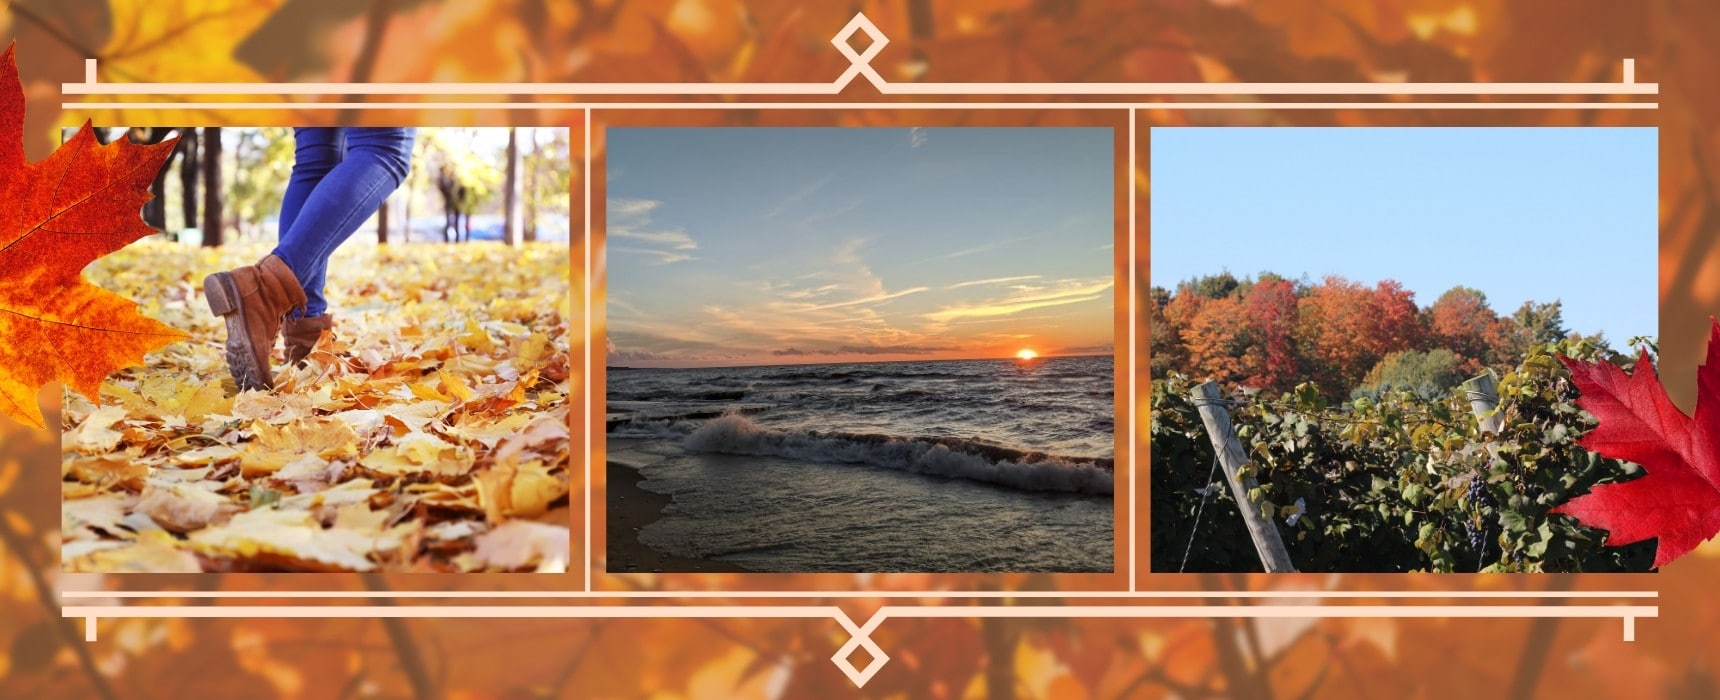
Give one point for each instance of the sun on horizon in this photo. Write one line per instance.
(1026, 354)
(923, 245)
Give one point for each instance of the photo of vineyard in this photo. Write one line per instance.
(1319, 416)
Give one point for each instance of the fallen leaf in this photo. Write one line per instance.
(519, 544)
(295, 536)
(82, 518)
(96, 434)
(184, 507)
(152, 553)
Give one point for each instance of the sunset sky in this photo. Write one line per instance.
(777, 245)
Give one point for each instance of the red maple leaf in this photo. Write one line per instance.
(1678, 499)
(56, 217)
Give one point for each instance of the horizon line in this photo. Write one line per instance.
(1010, 358)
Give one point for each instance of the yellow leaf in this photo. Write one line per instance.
(96, 433)
(533, 490)
(454, 386)
(184, 507)
(428, 393)
(276, 447)
(534, 349)
(477, 338)
(294, 535)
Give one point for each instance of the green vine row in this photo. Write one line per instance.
(1396, 483)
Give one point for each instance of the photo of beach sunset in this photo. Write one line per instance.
(859, 350)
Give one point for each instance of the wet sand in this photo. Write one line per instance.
(632, 508)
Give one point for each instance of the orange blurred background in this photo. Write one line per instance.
(930, 40)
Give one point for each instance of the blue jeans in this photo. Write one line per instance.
(340, 177)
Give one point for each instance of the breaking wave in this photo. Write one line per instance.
(945, 457)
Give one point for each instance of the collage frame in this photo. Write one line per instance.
(1623, 605)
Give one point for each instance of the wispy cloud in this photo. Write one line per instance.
(795, 197)
(624, 208)
(678, 240)
(876, 298)
(975, 250)
(992, 280)
(865, 350)
(614, 354)
(630, 219)
(662, 257)
(917, 137)
(1027, 298)
(800, 294)
(831, 214)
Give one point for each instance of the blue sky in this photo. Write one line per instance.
(783, 245)
(1519, 213)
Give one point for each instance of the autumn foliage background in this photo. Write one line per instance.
(772, 40)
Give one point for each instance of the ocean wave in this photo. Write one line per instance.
(705, 395)
(947, 457)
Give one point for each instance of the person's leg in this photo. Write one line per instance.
(376, 161)
(316, 150)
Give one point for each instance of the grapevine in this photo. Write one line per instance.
(1395, 482)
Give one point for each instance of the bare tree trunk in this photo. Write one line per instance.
(382, 221)
(188, 176)
(411, 193)
(511, 191)
(155, 210)
(1000, 637)
(531, 190)
(212, 188)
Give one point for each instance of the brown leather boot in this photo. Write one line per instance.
(300, 336)
(254, 299)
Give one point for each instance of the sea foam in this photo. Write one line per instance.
(945, 457)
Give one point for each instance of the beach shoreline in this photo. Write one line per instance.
(631, 508)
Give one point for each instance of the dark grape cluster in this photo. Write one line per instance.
(1474, 525)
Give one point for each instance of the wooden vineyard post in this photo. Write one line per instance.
(1483, 397)
(1273, 556)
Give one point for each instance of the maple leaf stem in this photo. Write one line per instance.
(30, 16)
(1237, 676)
(571, 666)
(1156, 676)
(405, 648)
(65, 626)
(1537, 645)
(375, 29)
(168, 36)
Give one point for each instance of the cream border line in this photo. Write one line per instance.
(860, 635)
(860, 66)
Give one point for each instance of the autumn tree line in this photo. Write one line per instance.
(226, 183)
(1273, 333)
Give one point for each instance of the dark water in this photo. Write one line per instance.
(981, 465)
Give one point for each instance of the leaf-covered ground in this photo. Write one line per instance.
(429, 433)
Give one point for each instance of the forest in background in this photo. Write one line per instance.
(223, 184)
(1272, 333)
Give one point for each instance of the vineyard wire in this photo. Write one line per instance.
(1194, 530)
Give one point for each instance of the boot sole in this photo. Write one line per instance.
(222, 293)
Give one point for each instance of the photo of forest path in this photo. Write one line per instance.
(1385, 392)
